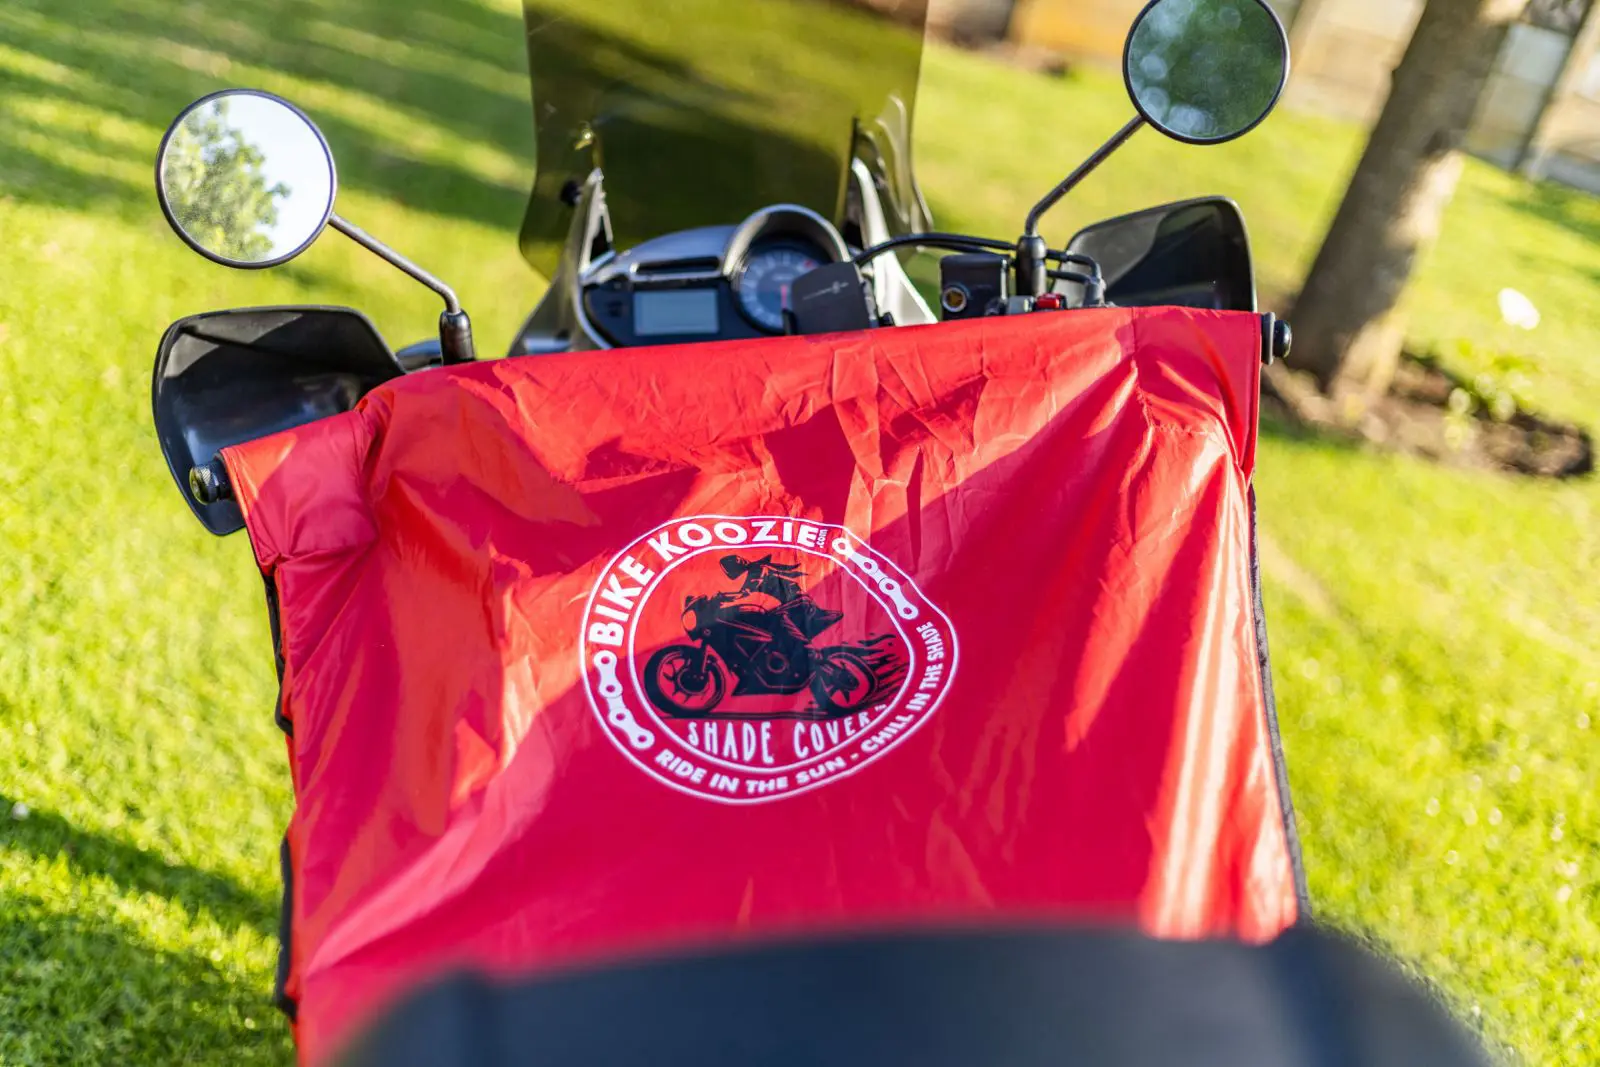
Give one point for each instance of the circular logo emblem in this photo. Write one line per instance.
(748, 659)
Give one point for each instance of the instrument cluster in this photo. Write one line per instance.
(768, 274)
(709, 284)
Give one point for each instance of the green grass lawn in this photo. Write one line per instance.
(1436, 633)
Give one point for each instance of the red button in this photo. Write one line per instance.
(1049, 302)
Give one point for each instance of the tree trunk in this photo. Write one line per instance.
(1348, 329)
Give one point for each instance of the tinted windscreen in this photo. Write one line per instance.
(701, 111)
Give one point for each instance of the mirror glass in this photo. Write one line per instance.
(246, 179)
(1206, 71)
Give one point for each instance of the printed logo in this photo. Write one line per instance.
(748, 659)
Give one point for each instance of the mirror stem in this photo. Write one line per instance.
(1070, 181)
(455, 329)
(377, 247)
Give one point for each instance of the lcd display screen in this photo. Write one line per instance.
(675, 311)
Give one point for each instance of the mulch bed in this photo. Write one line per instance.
(1416, 417)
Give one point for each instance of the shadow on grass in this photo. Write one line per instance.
(90, 854)
(1568, 209)
(1559, 205)
(1277, 425)
(81, 988)
(453, 65)
(143, 60)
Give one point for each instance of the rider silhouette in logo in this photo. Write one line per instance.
(760, 637)
(802, 617)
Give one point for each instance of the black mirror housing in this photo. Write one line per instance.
(1193, 253)
(226, 377)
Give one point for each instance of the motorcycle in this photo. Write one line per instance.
(768, 649)
(818, 253)
(645, 251)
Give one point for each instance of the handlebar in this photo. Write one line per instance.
(954, 242)
(1028, 259)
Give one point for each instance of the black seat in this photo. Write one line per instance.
(1012, 999)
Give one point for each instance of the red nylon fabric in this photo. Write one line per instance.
(978, 595)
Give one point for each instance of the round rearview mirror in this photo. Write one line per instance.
(245, 178)
(1206, 71)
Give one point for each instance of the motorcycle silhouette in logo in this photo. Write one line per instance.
(739, 637)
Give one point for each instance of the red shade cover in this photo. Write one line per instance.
(612, 652)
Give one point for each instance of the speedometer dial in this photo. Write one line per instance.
(765, 282)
